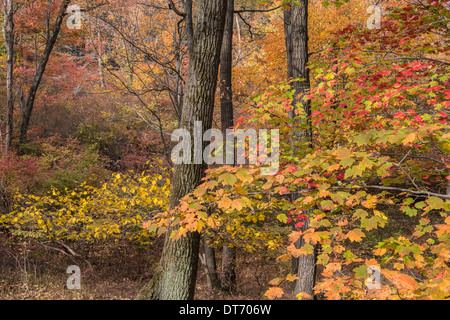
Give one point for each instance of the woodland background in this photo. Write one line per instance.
(86, 176)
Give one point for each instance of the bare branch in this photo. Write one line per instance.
(256, 10)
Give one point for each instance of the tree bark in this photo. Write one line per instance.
(175, 276)
(209, 263)
(226, 66)
(296, 36)
(228, 272)
(9, 40)
(51, 40)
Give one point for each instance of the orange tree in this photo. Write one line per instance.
(376, 175)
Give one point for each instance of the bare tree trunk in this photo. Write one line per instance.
(176, 274)
(209, 264)
(9, 40)
(228, 272)
(188, 16)
(51, 40)
(296, 35)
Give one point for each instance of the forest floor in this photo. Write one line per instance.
(32, 272)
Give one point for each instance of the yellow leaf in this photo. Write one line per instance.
(284, 258)
(342, 153)
(410, 138)
(304, 296)
(276, 281)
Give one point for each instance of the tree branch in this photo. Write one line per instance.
(256, 10)
(418, 193)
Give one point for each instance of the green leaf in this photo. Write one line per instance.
(411, 212)
(282, 217)
(230, 179)
(347, 162)
(360, 272)
(435, 203)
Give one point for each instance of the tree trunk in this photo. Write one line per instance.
(228, 272)
(226, 66)
(176, 274)
(51, 40)
(296, 35)
(209, 264)
(9, 40)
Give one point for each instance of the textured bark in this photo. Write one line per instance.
(228, 272)
(175, 276)
(296, 36)
(188, 16)
(9, 40)
(209, 264)
(226, 67)
(51, 40)
(305, 268)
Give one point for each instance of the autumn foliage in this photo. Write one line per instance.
(373, 185)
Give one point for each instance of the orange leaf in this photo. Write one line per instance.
(304, 296)
(311, 237)
(276, 281)
(410, 138)
(274, 293)
(284, 258)
(355, 235)
(291, 277)
(401, 281)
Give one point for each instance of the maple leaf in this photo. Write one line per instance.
(276, 282)
(284, 258)
(402, 282)
(331, 268)
(342, 153)
(410, 138)
(291, 277)
(311, 237)
(274, 292)
(237, 204)
(304, 296)
(355, 235)
(435, 203)
(225, 203)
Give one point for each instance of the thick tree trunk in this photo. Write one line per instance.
(176, 274)
(9, 40)
(51, 40)
(228, 272)
(296, 35)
